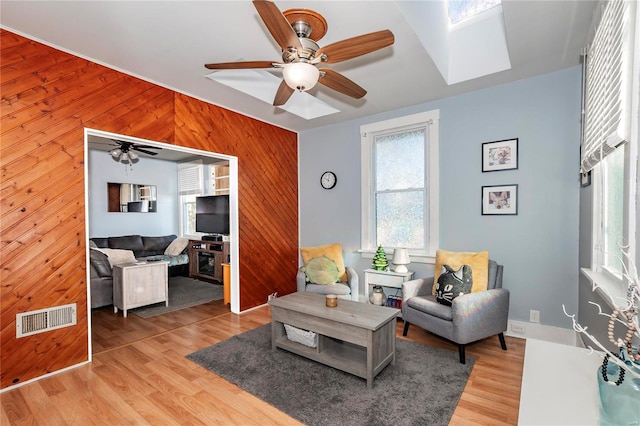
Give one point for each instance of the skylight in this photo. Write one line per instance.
(263, 85)
(463, 9)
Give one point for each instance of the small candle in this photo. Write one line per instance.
(332, 300)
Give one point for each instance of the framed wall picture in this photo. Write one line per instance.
(500, 200)
(500, 155)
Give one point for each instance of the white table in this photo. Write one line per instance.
(385, 279)
(140, 284)
(559, 385)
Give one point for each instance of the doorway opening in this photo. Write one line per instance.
(103, 157)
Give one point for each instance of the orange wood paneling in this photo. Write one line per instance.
(267, 193)
(48, 99)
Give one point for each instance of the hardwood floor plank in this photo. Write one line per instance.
(222, 414)
(16, 409)
(44, 407)
(139, 375)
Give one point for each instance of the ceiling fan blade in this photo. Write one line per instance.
(340, 83)
(277, 25)
(124, 146)
(283, 94)
(137, 148)
(240, 65)
(356, 46)
(146, 146)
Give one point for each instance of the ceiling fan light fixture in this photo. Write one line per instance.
(116, 153)
(124, 157)
(133, 156)
(301, 76)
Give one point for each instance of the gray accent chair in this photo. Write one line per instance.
(471, 317)
(344, 290)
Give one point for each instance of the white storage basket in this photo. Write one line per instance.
(304, 337)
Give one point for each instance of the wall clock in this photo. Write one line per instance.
(328, 180)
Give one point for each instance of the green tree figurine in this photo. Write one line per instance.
(380, 262)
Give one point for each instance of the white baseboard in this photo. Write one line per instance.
(530, 330)
(44, 376)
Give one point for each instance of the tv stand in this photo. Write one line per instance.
(206, 259)
(216, 237)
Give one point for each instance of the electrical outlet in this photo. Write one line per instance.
(534, 316)
(516, 328)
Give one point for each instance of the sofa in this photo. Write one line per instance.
(101, 279)
(143, 248)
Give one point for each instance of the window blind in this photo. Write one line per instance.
(190, 180)
(609, 63)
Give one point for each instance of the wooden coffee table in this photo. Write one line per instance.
(357, 338)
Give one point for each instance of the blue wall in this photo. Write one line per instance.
(538, 247)
(148, 171)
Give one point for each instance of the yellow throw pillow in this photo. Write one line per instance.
(332, 251)
(478, 261)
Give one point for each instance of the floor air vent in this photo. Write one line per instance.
(42, 320)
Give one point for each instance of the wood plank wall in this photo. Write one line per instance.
(48, 98)
(267, 192)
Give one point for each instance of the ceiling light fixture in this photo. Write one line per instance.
(123, 155)
(301, 76)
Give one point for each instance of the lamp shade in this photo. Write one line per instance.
(301, 76)
(400, 259)
(116, 152)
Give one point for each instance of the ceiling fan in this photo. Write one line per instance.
(296, 31)
(125, 150)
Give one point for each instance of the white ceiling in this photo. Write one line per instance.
(168, 42)
(167, 152)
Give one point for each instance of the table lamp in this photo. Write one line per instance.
(400, 259)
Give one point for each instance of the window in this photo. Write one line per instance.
(462, 9)
(609, 148)
(609, 228)
(188, 214)
(189, 187)
(400, 184)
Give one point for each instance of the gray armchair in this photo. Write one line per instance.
(344, 290)
(471, 317)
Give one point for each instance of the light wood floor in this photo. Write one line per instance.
(139, 375)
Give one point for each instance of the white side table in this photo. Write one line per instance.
(140, 284)
(384, 279)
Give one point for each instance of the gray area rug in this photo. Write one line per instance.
(423, 388)
(183, 293)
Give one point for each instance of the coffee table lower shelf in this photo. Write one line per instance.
(365, 361)
(343, 356)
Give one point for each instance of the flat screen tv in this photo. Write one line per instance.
(212, 214)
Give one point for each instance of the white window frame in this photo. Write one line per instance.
(430, 120)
